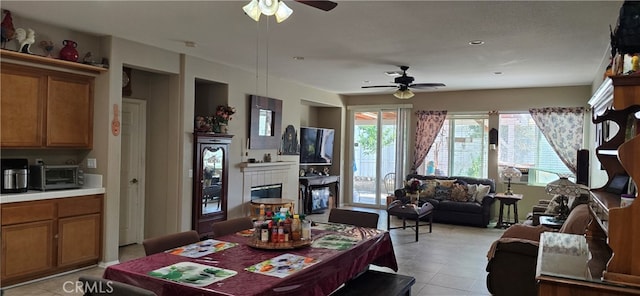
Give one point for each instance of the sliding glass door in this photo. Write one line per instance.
(374, 155)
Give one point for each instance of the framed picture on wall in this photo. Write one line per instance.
(265, 127)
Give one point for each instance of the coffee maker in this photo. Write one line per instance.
(15, 172)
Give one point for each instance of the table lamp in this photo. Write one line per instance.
(508, 174)
(565, 189)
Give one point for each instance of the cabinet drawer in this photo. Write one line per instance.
(27, 212)
(74, 206)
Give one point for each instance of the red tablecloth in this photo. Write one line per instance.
(334, 267)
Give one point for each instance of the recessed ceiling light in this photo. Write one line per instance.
(298, 58)
(367, 81)
(476, 42)
(190, 44)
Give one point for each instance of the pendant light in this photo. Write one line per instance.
(252, 10)
(267, 7)
(403, 94)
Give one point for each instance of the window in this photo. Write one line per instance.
(522, 145)
(460, 149)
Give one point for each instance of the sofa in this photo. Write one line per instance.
(454, 200)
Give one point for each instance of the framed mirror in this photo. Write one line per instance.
(265, 125)
(212, 179)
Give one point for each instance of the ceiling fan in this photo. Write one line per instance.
(324, 5)
(405, 82)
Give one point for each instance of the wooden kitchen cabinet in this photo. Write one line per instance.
(45, 108)
(70, 111)
(22, 97)
(41, 238)
(27, 248)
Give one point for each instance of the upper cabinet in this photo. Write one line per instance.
(43, 108)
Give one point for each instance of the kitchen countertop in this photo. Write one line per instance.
(32, 195)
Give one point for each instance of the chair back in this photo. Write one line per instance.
(351, 217)
(223, 228)
(95, 286)
(390, 183)
(169, 241)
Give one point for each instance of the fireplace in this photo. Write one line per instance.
(257, 176)
(265, 191)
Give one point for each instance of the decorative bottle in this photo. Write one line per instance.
(69, 52)
(296, 228)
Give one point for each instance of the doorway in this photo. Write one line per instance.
(377, 154)
(132, 165)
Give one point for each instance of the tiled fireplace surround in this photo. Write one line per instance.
(267, 173)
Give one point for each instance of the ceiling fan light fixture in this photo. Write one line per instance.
(403, 94)
(252, 10)
(283, 12)
(268, 7)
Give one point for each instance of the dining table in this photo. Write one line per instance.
(238, 264)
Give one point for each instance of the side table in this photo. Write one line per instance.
(508, 200)
(396, 208)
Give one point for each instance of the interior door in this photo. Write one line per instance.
(374, 156)
(132, 172)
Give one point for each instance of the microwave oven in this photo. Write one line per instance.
(54, 177)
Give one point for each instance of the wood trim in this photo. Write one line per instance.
(8, 55)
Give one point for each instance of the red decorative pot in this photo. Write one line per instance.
(69, 52)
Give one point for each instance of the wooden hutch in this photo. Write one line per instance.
(613, 237)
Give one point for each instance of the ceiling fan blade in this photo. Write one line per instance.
(419, 85)
(372, 86)
(323, 5)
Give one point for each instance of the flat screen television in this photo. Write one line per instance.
(316, 145)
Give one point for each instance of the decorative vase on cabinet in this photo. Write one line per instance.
(69, 52)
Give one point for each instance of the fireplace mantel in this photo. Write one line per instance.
(261, 166)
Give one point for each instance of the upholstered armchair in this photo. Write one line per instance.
(512, 259)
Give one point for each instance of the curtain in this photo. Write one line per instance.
(563, 129)
(429, 125)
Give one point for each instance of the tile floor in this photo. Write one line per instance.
(449, 261)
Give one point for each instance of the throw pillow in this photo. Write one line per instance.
(446, 183)
(459, 193)
(482, 191)
(442, 192)
(553, 207)
(430, 189)
(471, 191)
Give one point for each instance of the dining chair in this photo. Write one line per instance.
(166, 242)
(390, 182)
(223, 228)
(351, 217)
(95, 286)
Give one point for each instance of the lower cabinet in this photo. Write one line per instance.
(46, 237)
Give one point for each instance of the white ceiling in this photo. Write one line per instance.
(533, 43)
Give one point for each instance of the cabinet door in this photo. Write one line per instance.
(22, 95)
(27, 249)
(79, 239)
(70, 111)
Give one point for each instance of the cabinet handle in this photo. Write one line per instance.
(55, 236)
(134, 181)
